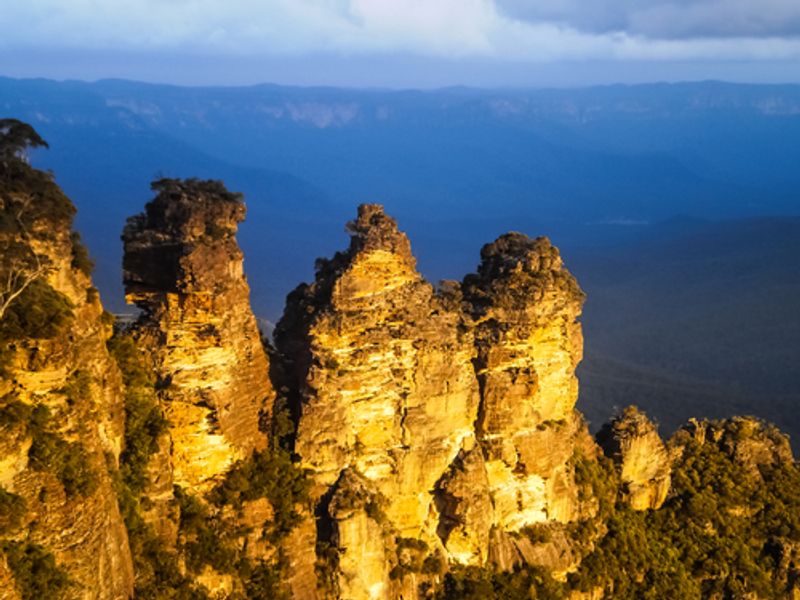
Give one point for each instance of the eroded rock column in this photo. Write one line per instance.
(388, 392)
(632, 441)
(183, 268)
(525, 305)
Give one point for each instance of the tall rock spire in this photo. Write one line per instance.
(524, 305)
(388, 395)
(183, 268)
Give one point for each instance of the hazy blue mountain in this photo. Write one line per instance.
(458, 166)
(686, 316)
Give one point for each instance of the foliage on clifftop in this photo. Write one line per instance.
(730, 529)
(32, 210)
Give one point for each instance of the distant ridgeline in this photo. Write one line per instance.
(399, 440)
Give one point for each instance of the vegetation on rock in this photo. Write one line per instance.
(49, 451)
(266, 474)
(12, 511)
(144, 421)
(36, 573)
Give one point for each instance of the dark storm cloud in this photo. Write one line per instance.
(660, 19)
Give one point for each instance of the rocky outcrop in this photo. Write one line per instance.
(383, 363)
(183, 268)
(465, 508)
(61, 403)
(631, 440)
(455, 409)
(524, 305)
(749, 442)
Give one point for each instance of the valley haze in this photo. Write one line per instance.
(675, 204)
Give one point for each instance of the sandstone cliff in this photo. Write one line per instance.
(61, 407)
(388, 394)
(524, 305)
(183, 268)
(447, 429)
(423, 442)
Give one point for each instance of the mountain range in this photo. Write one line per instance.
(675, 204)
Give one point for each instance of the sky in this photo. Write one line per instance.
(402, 43)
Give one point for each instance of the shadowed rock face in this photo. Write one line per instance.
(632, 441)
(183, 268)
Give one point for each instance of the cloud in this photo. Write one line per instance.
(500, 30)
(438, 27)
(665, 19)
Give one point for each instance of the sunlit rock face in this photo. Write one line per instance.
(183, 268)
(362, 538)
(384, 367)
(524, 305)
(466, 509)
(454, 409)
(632, 441)
(71, 378)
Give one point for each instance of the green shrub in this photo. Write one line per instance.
(40, 312)
(69, 461)
(268, 474)
(634, 561)
(13, 411)
(78, 388)
(473, 583)
(538, 533)
(36, 574)
(144, 420)
(205, 538)
(18, 178)
(264, 581)
(433, 565)
(12, 511)
(80, 255)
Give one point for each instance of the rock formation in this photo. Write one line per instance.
(446, 425)
(524, 305)
(183, 268)
(749, 442)
(388, 393)
(61, 411)
(434, 427)
(632, 441)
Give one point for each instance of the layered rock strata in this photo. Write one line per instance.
(631, 440)
(524, 305)
(388, 394)
(61, 407)
(183, 269)
(444, 418)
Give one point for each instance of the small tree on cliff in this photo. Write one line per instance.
(16, 138)
(20, 264)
